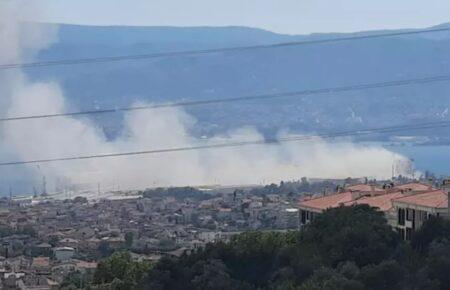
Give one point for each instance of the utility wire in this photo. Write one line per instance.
(422, 126)
(407, 82)
(210, 51)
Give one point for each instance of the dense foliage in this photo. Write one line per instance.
(345, 248)
(298, 187)
(121, 271)
(177, 192)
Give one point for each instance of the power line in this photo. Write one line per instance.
(210, 51)
(349, 133)
(416, 81)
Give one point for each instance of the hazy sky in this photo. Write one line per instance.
(286, 16)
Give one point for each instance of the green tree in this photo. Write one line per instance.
(80, 199)
(104, 249)
(53, 241)
(358, 234)
(433, 229)
(213, 275)
(350, 248)
(386, 275)
(120, 269)
(75, 280)
(438, 263)
(329, 279)
(129, 239)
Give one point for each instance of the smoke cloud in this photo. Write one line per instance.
(144, 130)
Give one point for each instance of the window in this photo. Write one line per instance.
(303, 217)
(410, 214)
(401, 216)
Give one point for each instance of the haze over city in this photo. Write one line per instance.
(215, 145)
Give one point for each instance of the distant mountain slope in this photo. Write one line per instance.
(253, 72)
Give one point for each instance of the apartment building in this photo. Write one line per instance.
(405, 206)
(413, 210)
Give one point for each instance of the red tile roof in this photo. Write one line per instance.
(363, 187)
(382, 202)
(329, 201)
(373, 196)
(432, 199)
(414, 186)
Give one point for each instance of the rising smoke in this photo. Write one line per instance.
(156, 129)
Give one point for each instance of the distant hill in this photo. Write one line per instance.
(252, 72)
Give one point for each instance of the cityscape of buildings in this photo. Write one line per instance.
(44, 240)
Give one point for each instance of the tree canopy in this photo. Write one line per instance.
(348, 248)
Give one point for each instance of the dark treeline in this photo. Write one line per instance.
(347, 248)
(298, 187)
(177, 192)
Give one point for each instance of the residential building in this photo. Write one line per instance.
(64, 253)
(405, 206)
(413, 210)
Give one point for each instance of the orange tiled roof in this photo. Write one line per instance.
(329, 201)
(382, 202)
(363, 187)
(414, 186)
(433, 199)
(379, 198)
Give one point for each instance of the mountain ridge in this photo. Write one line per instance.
(252, 72)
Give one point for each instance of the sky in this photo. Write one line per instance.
(283, 16)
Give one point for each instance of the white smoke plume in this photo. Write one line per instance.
(144, 130)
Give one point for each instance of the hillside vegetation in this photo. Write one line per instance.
(347, 248)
